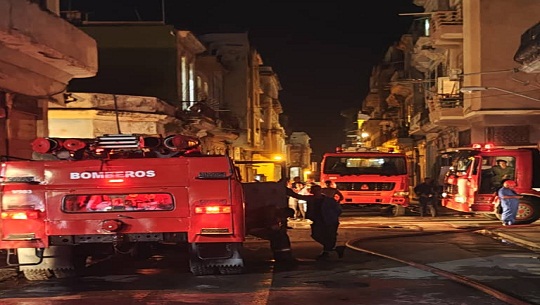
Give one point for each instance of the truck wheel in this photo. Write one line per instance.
(37, 274)
(398, 210)
(528, 211)
(56, 260)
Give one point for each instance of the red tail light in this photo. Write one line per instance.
(216, 209)
(20, 215)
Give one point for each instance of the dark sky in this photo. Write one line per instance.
(323, 51)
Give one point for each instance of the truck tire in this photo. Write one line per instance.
(37, 274)
(528, 211)
(57, 261)
(398, 210)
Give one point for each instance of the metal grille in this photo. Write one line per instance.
(508, 135)
(365, 186)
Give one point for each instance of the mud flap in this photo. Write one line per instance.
(54, 257)
(57, 260)
(211, 258)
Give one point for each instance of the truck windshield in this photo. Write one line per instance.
(117, 202)
(463, 163)
(365, 165)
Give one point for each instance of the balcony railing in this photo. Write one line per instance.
(446, 109)
(446, 25)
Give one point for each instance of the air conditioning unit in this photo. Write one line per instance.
(455, 74)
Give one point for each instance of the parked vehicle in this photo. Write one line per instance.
(369, 178)
(83, 198)
(470, 185)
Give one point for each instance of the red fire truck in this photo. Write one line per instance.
(470, 185)
(369, 178)
(81, 198)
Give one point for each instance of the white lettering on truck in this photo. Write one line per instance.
(112, 175)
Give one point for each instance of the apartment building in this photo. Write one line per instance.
(452, 81)
(40, 54)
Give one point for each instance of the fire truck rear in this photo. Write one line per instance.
(119, 193)
(471, 184)
(369, 178)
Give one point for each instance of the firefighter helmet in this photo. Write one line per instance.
(509, 183)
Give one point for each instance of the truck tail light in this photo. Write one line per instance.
(215, 209)
(20, 215)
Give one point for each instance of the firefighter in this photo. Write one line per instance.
(509, 202)
(427, 196)
(324, 213)
(501, 172)
(332, 192)
(270, 223)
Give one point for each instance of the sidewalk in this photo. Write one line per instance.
(524, 235)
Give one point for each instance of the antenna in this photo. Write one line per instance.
(163, 11)
(116, 114)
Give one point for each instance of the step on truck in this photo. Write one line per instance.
(83, 198)
(471, 182)
(369, 178)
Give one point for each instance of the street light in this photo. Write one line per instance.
(471, 89)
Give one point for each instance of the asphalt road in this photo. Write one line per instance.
(361, 277)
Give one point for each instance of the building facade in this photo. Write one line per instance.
(35, 68)
(457, 47)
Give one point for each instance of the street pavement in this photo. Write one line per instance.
(527, 236)
(523, 235)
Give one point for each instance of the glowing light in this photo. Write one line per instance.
(278, 157)
(116, 180)
(213, 210)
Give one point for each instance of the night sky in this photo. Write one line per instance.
(322, 51)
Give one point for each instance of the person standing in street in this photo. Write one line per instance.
(332, 192)
(509, 202)
(324, 213)
(427, 196)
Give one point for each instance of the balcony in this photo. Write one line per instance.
(446, 110)
(446, 27)
(41, 52)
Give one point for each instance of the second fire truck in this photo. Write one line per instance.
(470, 185)
(369, 178)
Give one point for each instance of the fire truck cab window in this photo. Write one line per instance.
(117, 202)
(368, 165)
